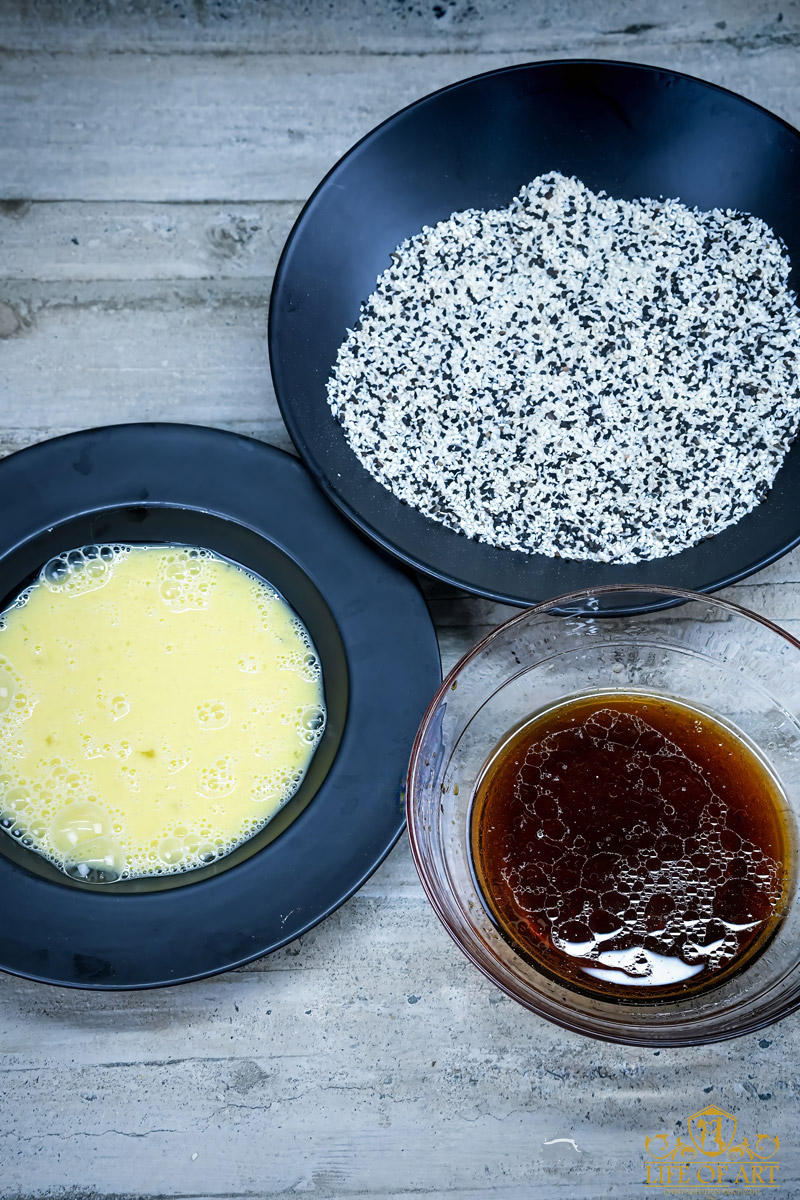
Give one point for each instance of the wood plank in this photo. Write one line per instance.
(81, 243)
(223, 128)
(383, 1041)
(371, 26)
(75, 366)
(380, 1041)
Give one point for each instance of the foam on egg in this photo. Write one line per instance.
(158, 706)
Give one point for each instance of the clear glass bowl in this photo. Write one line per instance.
(709, 653)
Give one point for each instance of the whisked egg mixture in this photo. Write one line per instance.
(158, 706)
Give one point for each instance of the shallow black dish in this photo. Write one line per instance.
(631, 130)
(256, 506)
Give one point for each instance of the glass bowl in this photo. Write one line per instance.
(709, 653)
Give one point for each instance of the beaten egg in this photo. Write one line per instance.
(158, 706)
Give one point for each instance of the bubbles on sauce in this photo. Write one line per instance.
(630, 843)
(158, 705)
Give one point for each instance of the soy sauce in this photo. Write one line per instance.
(631, 846)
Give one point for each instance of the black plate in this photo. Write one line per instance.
(257, 506)
(631, 130)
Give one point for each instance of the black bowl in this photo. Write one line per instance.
(257, 507)
(630, 130)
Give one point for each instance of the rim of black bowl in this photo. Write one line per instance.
(363, 522)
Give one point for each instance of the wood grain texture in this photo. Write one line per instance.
(154, 156)
(88, 126)
(396, 28)
(366, 1058)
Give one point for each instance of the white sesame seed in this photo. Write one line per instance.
(576, 375)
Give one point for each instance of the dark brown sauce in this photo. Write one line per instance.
(630, 846)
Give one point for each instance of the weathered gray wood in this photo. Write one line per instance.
(558, 27)
(187, 356)
(174, 142)
(356, 1063)
(124, 127)
(87, 243)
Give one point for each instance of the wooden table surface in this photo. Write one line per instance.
(154, 156)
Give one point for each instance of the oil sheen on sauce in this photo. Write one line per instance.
(630, 846)
(158, 705)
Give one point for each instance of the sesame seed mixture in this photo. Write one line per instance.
(575, 375)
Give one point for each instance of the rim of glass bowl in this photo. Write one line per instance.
(623, 1033)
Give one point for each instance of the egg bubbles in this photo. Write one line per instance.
(158, 706)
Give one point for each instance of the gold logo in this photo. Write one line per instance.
(714, 1162)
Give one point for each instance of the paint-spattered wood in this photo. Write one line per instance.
(154, 157)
